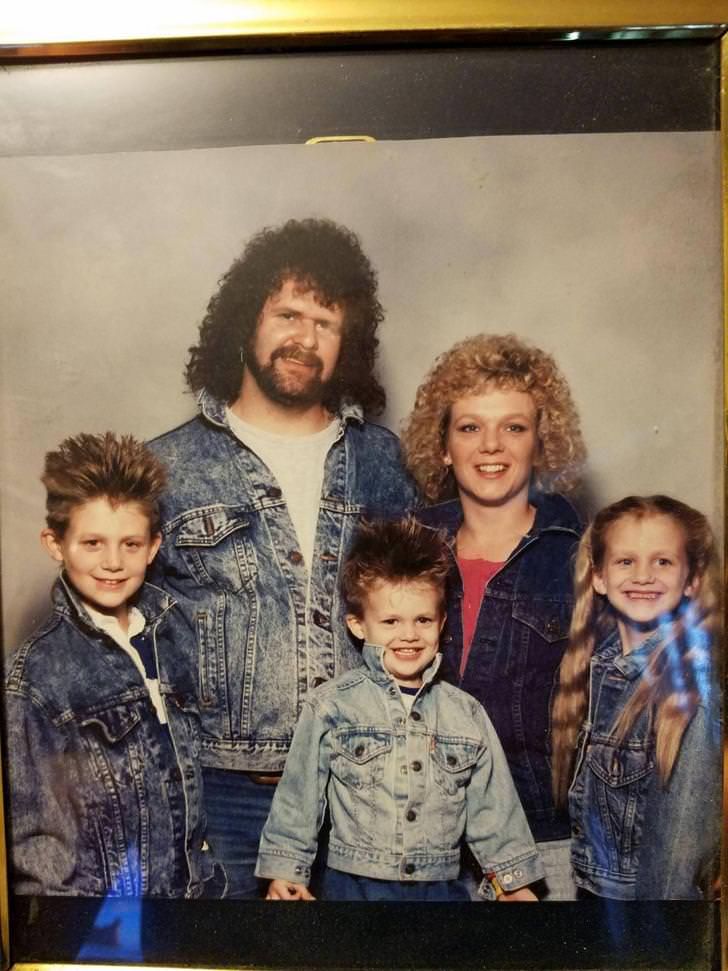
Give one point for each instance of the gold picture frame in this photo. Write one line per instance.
(36, 36)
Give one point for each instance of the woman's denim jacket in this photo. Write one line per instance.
(402, 789)
(230, 557)
(519, 639)
(634, 837)
(104, 799)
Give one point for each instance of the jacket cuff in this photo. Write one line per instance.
(282, 866)
(512, 875)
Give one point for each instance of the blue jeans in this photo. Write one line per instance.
(237, 809)
(337, 885)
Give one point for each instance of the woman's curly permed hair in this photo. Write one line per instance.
(321, 256)
(468, 368)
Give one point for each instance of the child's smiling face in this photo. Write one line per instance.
(105, 552)
(645, 573)
(406, 619)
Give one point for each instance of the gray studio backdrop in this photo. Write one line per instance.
(603, 249)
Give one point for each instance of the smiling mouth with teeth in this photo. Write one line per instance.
(642, 594)
(492, 468)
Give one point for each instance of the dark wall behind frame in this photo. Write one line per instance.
(222, 100)
(205, 102)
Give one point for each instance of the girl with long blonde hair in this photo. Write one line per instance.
(635, 720)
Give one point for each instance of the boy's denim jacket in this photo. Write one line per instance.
(519, 640)
(402, 789)
(101, 803)
(230, 557)
(632, 836)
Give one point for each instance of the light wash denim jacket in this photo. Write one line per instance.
(230, 557)
(103, 802)
(403, 790)
(632, 836)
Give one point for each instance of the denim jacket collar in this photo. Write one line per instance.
(214, 410)
(151, 601)
(373, 656)
(553, 512)
(631, 665)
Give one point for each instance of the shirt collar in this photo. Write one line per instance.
(214, 410)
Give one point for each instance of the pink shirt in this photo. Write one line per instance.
(476, 575)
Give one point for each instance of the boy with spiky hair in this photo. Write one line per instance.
(409, 766)
(102, 731)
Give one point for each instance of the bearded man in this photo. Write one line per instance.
(266, 488)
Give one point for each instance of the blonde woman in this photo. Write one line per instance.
(637, 681)
(492, 441)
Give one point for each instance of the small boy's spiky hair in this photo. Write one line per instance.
(86, 467)
(400, 551)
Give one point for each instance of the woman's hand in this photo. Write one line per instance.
(285, 890)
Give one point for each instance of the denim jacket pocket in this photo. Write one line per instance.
(620, 776)
(359, 757)
(549, 619)
(213, 542)
(114, 723)
(452, 764)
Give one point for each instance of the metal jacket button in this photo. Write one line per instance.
(416, 716)
(409, 868)
(416, 766)
(411, 816)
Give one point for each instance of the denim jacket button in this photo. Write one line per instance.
(411, 816)
(409, 868)
(295, 557)
(359, 751)
(298, 869)
(273, 492)
(507, 878)
(451, 760)
(575, 830)
(416, 716)
(416, 766)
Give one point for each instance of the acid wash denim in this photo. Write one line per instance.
(264, 632)
(104, 800)
(519, 640)
(402, 789)
(634, 837)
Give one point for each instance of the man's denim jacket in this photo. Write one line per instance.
(102, 803)
(402, 789)
(265, 631)
(519, 639)
(634, 837)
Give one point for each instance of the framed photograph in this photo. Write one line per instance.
(540, 170)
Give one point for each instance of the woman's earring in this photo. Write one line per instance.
(242, 355)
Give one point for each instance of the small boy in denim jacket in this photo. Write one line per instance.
(408, 765)
(102, 731)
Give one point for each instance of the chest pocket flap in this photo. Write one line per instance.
(455, 756)
(549, 618)
(361, 747)
(619, 766)
(208, 526)
(114, 722)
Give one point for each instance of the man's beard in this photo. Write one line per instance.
(282, 389)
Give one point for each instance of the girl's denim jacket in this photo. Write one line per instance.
(265, 627)
(104, 799)
(519, 640)
(634, 837)
(403, 790)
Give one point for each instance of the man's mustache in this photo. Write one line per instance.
(299, 355)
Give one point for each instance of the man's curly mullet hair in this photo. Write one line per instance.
(320, 256)
(87, 467)
(467, 369)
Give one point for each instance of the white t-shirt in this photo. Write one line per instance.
(111, 626)
(298, 466)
